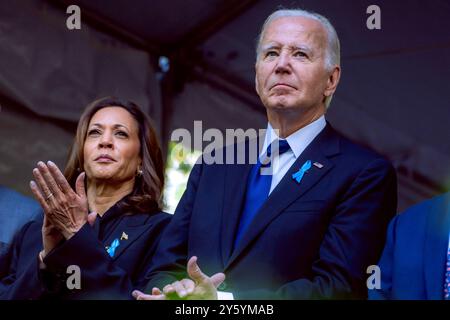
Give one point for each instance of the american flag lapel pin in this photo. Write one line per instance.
(124, 236)
(318, 165)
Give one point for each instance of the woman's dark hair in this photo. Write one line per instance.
(147, 192)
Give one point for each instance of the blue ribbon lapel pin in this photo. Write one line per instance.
(112, 248)
(298, 176)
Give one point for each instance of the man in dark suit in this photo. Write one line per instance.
(415, 264)
(312, 227)
(15, 211)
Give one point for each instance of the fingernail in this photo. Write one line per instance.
(32, 183)
(50, 163)
(134, 293)
(40, 164)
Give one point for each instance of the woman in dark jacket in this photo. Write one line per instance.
(102, 218)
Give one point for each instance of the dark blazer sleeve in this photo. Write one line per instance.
(354, 240)
(386, 266)
(170, 258)
(17, 281)
(101, 276)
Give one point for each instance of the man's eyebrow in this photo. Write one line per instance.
(269, 46)
(302, 48)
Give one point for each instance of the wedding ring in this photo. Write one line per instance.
(49, 196)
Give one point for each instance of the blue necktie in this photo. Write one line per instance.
(258, 187)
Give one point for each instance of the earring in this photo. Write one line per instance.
(139, 173)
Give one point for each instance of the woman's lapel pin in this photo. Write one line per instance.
(112, 248)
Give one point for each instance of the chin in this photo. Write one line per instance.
(102, 175)
(281, 107)
(279, 102)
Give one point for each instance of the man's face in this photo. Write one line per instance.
(290, 68)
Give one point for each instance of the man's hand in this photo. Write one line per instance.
(156, 295)
(199, 287)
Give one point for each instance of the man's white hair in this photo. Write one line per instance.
(333, 50)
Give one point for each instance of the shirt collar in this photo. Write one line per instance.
(300, 139)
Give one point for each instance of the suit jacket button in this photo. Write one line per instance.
(222, 286)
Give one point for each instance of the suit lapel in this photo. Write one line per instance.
(436, 245)
(236, 177)
(129, 229)
(288, 190)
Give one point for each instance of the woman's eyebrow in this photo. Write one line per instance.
(116, 126)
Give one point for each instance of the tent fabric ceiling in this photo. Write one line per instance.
(161, 22)
(55, 73)
(393, 73)
(393, 91)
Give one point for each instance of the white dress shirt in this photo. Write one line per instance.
(298, 141)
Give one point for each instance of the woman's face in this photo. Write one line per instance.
(111, 148)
